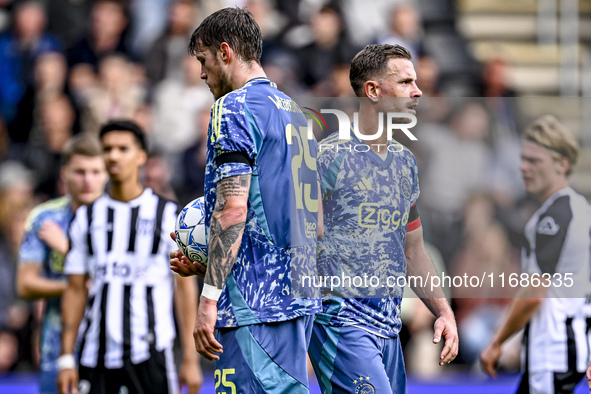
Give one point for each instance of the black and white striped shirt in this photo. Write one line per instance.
(124, 247)
(558, 245)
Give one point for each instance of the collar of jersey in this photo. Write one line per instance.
(133, 202)
(373, 155)
(256, 80)
(558, 193)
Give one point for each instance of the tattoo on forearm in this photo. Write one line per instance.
(220, 252)
(221, 240)
(220, 203)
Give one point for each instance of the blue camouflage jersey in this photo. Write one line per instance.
(34, 251)
(366, 200)
(256, 130)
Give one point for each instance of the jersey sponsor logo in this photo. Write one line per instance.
(145, 226)
(373, 215)
(548, 226)
(122, 270)
(363, 386)
(405, 188)
(95, 228)
(311, 228)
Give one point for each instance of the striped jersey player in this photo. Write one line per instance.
(555, 308)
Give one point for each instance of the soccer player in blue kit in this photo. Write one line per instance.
(257, 205)
(41, 256)
(372, 225)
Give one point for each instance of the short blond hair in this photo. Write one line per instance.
(84, 144)
(549, 132)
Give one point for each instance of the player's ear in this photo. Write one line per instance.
(226, 53)
(563, 165)
(371, 89)
(63, 172)
(142, 157)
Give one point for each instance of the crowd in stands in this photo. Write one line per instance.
(68, 66)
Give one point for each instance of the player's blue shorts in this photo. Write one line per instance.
(264, 358)
(48, 381)
(352, 360)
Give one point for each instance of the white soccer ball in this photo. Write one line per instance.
(190, 231)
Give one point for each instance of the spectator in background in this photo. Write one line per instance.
(148, 21)
(81, 81)
(143, 116)
(341, 87)
(5, 6)
(434, 108)
(165, 55)
(405, 29)
(366, 20)
(157, 175)
(5, 150)
(49, 83)
(281, 69)
(118, 94)
(505, 180)
(329, 48)
(177, 104)
(456, 163)
(68, 19)
(268, 18)
(485, 248)
(495, 79)
(272, 24)
(428, 73)
(189, 173)
(19, 50)
(107, 24)
(16, 195)
(43, 155)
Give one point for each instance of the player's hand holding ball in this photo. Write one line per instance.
(191, 257)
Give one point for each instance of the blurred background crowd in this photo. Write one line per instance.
(67, 66)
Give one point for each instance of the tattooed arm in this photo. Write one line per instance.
(227, 226)
(225, 236)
